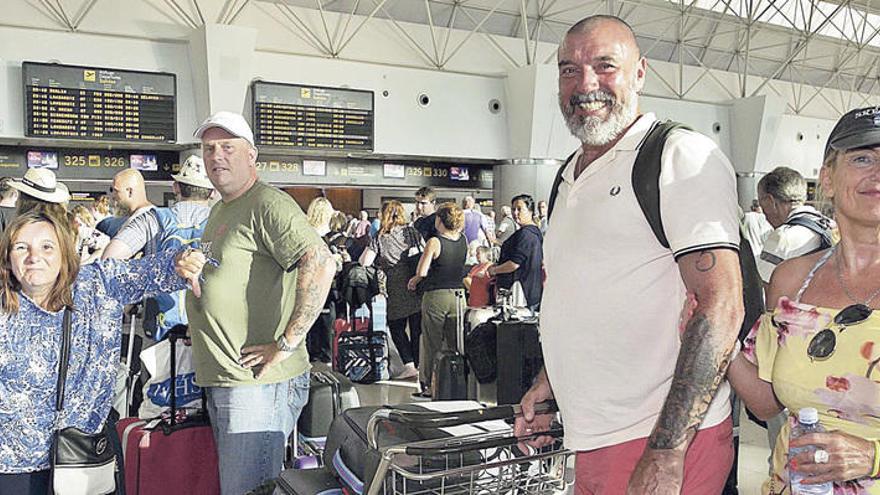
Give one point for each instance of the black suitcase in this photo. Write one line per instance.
(450, 376)
(330, 393)
(450, 369)
(519, 359)
(307, 482)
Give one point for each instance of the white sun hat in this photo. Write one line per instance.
(192, 172)
(41, 184)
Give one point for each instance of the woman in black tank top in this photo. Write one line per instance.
(440, 273)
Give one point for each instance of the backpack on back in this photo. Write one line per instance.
(163, 311)
(646, 185)
(818, 224)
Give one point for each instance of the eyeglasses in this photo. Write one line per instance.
(822, 344)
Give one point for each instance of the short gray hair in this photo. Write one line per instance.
(784, 184)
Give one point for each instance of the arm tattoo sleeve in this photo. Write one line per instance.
(702, 363)
(315, 272)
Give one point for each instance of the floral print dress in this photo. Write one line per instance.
(844, 388)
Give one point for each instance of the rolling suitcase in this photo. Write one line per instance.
(363, 356)
(450, 370)
(519, 359)
(170, 456)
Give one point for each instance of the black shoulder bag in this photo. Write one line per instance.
(81, 462)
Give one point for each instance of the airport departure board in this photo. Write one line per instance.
(312, 117)
(73, 102)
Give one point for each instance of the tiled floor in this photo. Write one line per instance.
(753, 439)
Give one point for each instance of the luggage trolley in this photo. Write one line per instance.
(480, 463)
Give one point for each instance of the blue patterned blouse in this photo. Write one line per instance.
(30, 343)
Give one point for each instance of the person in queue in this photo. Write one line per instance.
(390, 250)
(439, 275)
(42, 276)
(267, 280)
(426, 207)
(645, 406)
(39, 190)
(521, 255)
(820, 345)
(319, 340)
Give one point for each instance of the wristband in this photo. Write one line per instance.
(876, 471)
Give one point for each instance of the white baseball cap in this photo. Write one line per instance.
(192, 172)
(41, 184)
(231, 122)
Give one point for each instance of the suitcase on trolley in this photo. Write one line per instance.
(430, 447)
(450, 368)
(307, 482)
(330, 393)
(170, 456)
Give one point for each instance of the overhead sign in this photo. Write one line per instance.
(281, 169)
(312, 117)
(88, 163)
(74, 102)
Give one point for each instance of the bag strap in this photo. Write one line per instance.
(817, 224)
(557, 181)
(646, 175)
(63, 357)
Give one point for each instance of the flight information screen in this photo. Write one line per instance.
(73, 102)
(312, 118)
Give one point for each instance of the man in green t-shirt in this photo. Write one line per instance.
(268, 278)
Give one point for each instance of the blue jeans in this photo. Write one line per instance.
(251, 425)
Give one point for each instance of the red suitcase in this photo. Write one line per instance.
(172, 456)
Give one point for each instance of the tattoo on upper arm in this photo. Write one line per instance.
(702, 363)
(311, 289)
(706, 261)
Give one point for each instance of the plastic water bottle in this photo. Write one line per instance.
(808, 422)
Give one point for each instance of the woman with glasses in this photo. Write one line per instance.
(820, 345)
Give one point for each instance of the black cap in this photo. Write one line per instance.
(857, 129)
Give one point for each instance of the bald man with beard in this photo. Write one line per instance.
(641, 393)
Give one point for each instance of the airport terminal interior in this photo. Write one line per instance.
(366, 102)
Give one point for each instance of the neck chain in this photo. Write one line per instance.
(846, 291)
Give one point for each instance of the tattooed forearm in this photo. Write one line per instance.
(315, 272)
(701, 365)
(706, 262)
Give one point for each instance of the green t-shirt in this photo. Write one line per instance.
(248, 299)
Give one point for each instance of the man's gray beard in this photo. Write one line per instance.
(593, 131)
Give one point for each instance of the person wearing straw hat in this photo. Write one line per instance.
(38, 188)
(193, 191)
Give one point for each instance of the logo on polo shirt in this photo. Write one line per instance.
(614, 191)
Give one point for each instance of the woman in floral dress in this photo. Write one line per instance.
(820, 345)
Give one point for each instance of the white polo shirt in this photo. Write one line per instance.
(611, 305)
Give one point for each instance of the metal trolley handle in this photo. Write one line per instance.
(431, 419)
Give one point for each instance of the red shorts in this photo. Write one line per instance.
(606, 471)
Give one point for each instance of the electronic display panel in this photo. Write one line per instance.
(312, 117)
(94, 103)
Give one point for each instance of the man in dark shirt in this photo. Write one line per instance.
(425, 206)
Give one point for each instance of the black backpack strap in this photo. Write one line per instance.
(646, 175)
(554, 189)
(817, 224)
